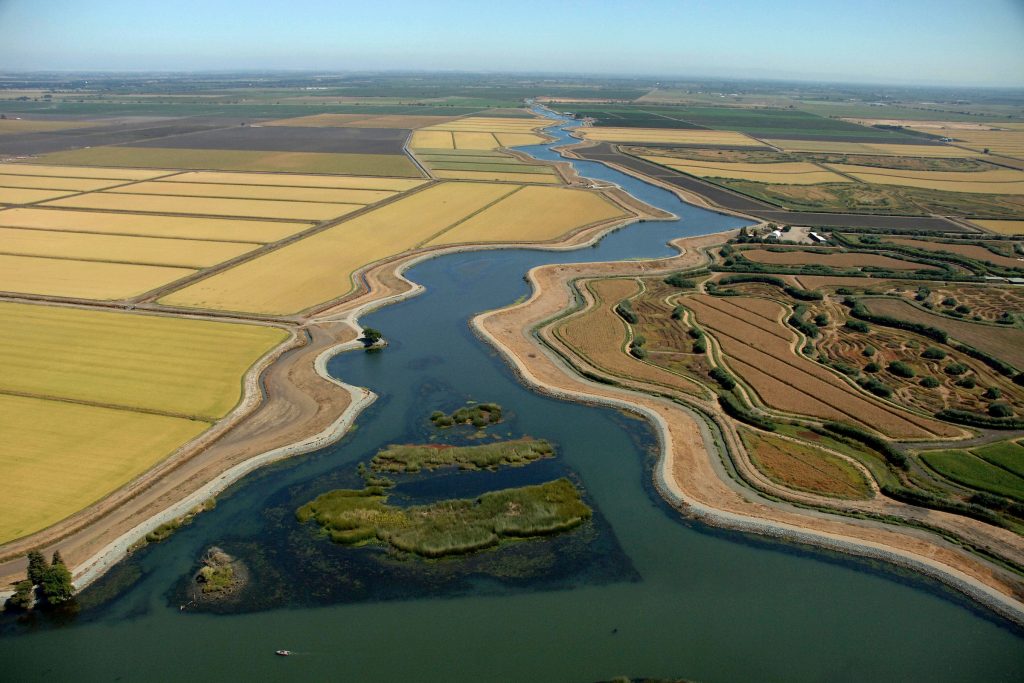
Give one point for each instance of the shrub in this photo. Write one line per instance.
(677, 312)
(625, 309)
(872, 367)
(893, 456)
(966, 383)
(949, 302)
(735, 409)
(857, 326)
(933, 353)
(638, 352)
(875, 387)
(700, 346)
(929, 382)
(844, 290)
(901, 369)
(973, 419)
(1000, 409)
(724, 379)
(992, 393)
(679, 280)
(868, 351)
(821, 320)
(962, 309)
(956, 369)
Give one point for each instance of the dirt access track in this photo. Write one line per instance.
(697, 444)
(608, 153)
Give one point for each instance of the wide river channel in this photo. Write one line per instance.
(639, 591)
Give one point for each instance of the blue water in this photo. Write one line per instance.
(650, 595)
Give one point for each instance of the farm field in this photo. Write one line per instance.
(804, 467)
(263, 192)
(966, 468)
(669, 136)
(1001, 181)
(295, 180)
(484, 165)
(798, 257)
(184, 227)
(792, 173)
(119, 248)
(253, 208)
(361, 121)
(1006, 454)
(319, 268)
(1002, 227)
(42, 170)
(990, 302)
(969, 250)
(75, 455)
(11, 180)
(1001, 342)
(82, 279)
(514, 218)
(535, 178)
(873, 148)
(479, 133)
(598, 335)
(239, 160)
(760, 350)
(13, 126)
(18, 195)
(117, 359)
(1006, 142)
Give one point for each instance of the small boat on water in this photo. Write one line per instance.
(282, 653)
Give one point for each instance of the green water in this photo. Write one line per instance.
(641, 592)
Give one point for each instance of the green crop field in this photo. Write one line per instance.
(971, 471)
(1009, 455)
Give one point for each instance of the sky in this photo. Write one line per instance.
(930, 42)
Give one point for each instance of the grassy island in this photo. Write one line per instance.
(448, 527)
(413, 458)
(480, 415)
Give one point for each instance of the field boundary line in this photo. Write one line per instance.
(112, 406)
(468, 216)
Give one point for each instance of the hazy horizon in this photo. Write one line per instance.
(915, 42)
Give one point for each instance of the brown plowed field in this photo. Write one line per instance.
(799, 257)
(598, 335)
(788, 382)
(1001, 342)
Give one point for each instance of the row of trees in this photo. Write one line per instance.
(49, 582)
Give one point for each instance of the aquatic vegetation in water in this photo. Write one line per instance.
(413, 458)
(480, 416)
(447, 527)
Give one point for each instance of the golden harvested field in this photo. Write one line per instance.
(82, 279)
(73, 455)
(760, 350)
(997, 181)
(361, 121)
(240, 160)
(788, 173)
(544, 178)
(56, 183)
(803, 467)
(141, 250)
(320, 268)
(1006, 343)
(969, 250)
(797, 257)
(185, 227)
(1007, 142)
(80, 171)
(9, 126)
(18, 195)
(1002, 227)
(517, 139)
(432, 139)
(475, 140)
(178, 366)
(670, 136)
(295, 194)
(598, 335)
(884, 149)
(533, 214)
(255, 208)
(295, 180)
(494, 124)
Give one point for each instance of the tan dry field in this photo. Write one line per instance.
(12, 126)
(320, 268)
(360, 121)
(997, 181)
(475, 140)
(19, 195)
(670, 136)
(239, 160)
(829, 281)
(1001, 227)
(969, 250)
(874, 148)
(19, 168)
(184, 227)
(56, 182)
(760, 350)
(179, 366)
(296, 180)
(479, 133)
(500, 176)
(75, 455)
(432, 139)
(999, 341)
(294, 194)
(119, 248)
(533, 214)
(82, 279)
(788, 173)
(797, 257)
(254, 208)
(803, 467)
(598, 335)
(517, 139)
(1006, 142)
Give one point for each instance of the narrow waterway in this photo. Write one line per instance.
(639, 592)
